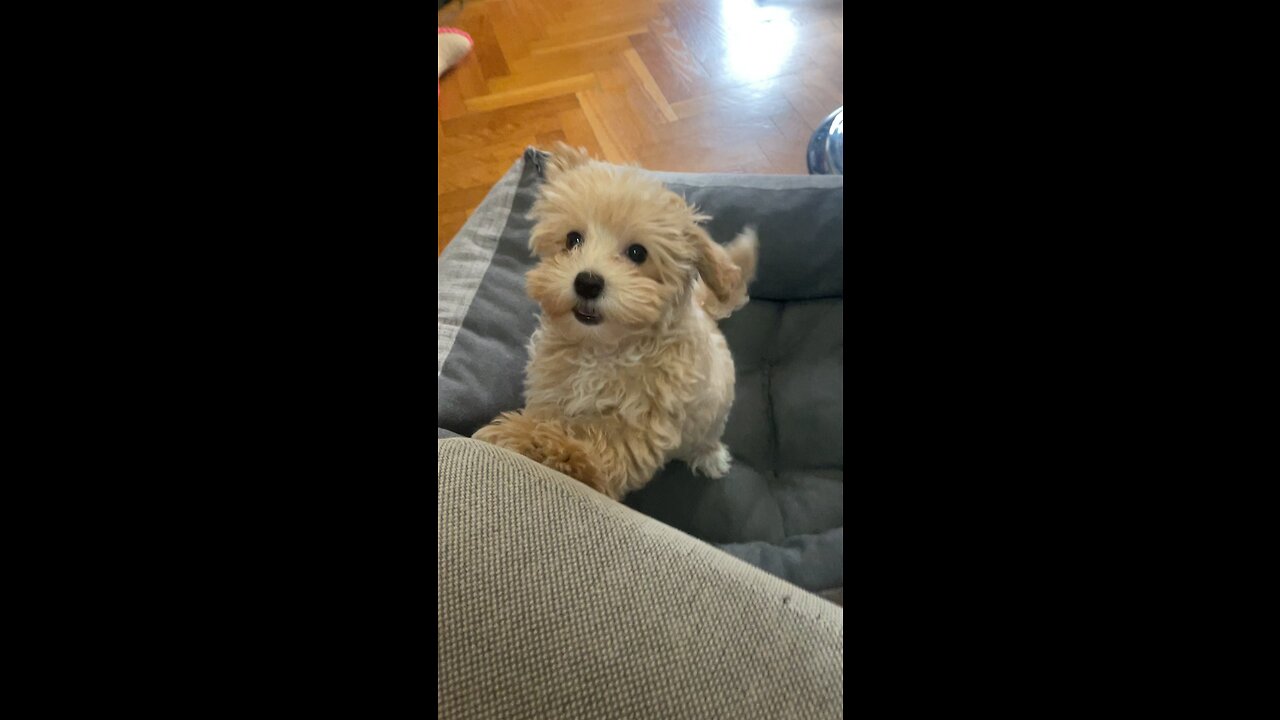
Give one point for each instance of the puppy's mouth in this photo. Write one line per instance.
(587, 316)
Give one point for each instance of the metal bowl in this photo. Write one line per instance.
(826, 148)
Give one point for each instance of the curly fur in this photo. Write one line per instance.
(610, 403)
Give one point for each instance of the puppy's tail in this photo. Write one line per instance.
(743, 252)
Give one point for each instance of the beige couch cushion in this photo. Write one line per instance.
(556, 602)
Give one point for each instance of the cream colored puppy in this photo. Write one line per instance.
(627, 369)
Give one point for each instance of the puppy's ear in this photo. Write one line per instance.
(726, 270)
(562, 157)
(718, 271)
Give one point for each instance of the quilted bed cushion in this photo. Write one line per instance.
(781, 508)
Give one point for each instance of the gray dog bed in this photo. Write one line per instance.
(781, 508)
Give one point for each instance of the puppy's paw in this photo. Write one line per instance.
(551, 445)
(546, 443)
(509, 430)
(713, 464)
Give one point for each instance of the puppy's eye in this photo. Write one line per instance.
(573, 239)
(637, 253)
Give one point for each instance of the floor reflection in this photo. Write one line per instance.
(758, 38)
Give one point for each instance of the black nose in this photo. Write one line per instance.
(588, 285)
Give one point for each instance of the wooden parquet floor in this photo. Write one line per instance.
(734, 86)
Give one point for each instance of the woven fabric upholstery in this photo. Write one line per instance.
(556, 602)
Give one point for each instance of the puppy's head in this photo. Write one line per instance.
(618, 251)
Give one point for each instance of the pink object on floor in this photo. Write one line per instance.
(455, 31)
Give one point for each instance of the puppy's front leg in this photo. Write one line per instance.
(712, 461)
(547, 443)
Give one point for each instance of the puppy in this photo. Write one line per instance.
(627, 369)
